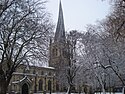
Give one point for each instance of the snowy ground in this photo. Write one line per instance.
(109, 93)
(78, 93)
(59, 93)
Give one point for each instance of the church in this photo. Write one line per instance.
(38, 79)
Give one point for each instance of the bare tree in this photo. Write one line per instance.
(68, 68)
(23, 27)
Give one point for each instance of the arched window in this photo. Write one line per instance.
(49, 85)
(40, 85)
(55, 52)
(24, 71)
(49, 73)
(34, 71)
(42, 73)
(57, 86)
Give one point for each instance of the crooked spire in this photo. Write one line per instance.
(60, 29)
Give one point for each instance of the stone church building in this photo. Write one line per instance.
(34, 79)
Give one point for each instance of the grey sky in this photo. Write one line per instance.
(79, 13)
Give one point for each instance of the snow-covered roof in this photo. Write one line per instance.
(49, 67)
(28, 66)
(25, 78)
(18, 73)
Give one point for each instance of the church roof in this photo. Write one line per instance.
(60, 29)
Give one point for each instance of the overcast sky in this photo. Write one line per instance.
(79, 13)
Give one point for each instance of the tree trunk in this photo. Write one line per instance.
(70, 88)
(3, 85)
(3, 82)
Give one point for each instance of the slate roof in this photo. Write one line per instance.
(60, 29)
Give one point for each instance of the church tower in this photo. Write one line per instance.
(58, 47)
(60, 29)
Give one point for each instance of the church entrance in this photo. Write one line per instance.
(25, 89)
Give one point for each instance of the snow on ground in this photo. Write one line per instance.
(59, 93)
(109, 93)
(80, 93)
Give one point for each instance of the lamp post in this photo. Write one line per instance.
(35, 88)
(10, 88)
(53, 82)
(49, 87)
(110, 85)
(45, 83)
